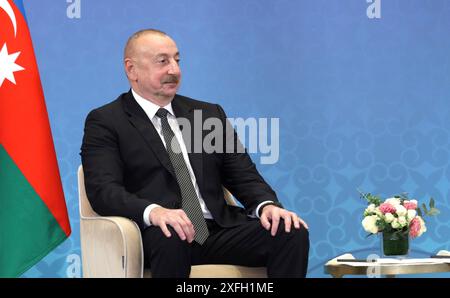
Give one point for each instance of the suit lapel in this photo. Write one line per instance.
(182, 109)
(145, 127)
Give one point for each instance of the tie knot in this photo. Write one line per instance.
(162, 113)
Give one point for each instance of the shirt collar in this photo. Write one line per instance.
(149, 107)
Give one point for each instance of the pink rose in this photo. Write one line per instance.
(414, 227)
(410, 205)
(387, 208)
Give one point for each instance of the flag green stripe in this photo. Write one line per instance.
(28, 230)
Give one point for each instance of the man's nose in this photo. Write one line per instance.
(174, 68)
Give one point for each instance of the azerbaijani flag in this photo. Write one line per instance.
(33, 214)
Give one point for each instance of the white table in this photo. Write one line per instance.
(386, 267)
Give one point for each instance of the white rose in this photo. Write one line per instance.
(378, 212)
(369, 210)
(402, 221)
(400, 210)
(395, 224)
(393, 201)
(369, 224)
(388, 217)
(411, 214)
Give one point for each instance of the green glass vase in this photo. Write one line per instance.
(395, 243)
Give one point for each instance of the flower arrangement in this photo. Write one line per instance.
(397, 214)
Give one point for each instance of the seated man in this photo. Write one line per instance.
(139, 164)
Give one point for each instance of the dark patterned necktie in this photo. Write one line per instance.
(190, 201)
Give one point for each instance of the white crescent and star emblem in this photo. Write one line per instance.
(8, 61)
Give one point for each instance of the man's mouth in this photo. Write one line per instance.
(172, 80)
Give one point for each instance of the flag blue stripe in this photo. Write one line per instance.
(19, 4)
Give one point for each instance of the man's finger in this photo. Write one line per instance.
(287, 223)
(165, 230)
(177, 227)
(187, 226)
(265, 222)
(296, 221)
(303, 223)
(275, 223)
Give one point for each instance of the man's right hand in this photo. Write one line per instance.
(176, 218)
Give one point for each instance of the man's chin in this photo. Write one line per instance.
(168, 94)
(170, 89)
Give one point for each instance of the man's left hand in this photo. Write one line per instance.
(271, 215)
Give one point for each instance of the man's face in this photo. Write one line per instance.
(153, 68)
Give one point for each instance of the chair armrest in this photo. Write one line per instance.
(111, 247)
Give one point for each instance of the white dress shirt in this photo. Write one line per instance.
(150, 109)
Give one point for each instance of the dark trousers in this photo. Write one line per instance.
(249, 244)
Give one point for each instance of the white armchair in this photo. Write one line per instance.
(111, 246)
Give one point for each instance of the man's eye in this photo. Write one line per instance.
(162, 61)
(177, 60)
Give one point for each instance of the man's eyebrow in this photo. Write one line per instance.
(161, 55)
(177, 54)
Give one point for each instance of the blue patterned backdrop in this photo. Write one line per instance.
(363, 102)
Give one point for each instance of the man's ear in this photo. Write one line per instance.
(130, 69)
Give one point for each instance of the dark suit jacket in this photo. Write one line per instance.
(127, 167)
